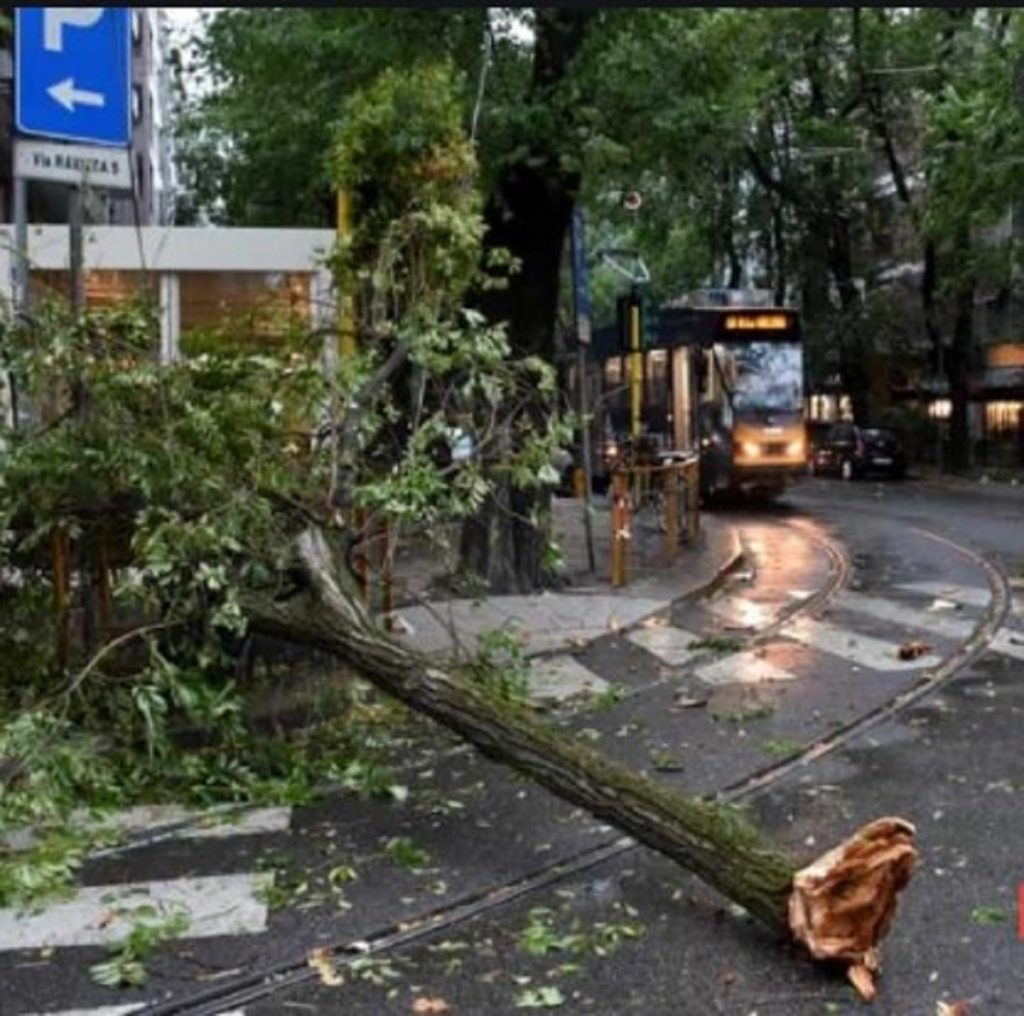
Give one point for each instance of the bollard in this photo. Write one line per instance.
(692, 501)
(579, 482)
(620, 530)
(670, 480)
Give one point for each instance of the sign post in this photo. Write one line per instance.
(72, 84)
(581, 306)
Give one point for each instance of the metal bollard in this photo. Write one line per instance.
(620, 530)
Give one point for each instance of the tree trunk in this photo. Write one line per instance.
(709, 840)
(958, 366)
(528, 214)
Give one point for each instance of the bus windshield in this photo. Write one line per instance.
(762, 376)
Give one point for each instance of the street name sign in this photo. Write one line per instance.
(73, 73)
(83, 165)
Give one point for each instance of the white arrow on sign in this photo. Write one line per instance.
(67, 95)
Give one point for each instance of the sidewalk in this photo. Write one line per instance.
(548, 622)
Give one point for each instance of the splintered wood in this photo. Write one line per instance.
(841, 906)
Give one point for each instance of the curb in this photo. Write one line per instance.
(733, 561)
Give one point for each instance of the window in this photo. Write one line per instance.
(1002, 417)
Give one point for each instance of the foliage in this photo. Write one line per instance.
(151, 928)
(255, 142)
(406, 854)
(501, 664)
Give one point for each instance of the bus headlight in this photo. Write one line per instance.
(796, 448)
(751, 449)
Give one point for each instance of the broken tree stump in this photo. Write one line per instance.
(839, 907)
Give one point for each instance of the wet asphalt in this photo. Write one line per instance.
(636, 933)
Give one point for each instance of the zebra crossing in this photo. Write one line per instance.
(215, 905)
(234, 903)
(920, 611)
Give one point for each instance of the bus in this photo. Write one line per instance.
(722, 381)
(751, 410)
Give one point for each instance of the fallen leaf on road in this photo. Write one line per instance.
(425, 1006)
(940, 604)
(958, 1008)
(614, 624)
(107, 918)
(321, 960)
(689, 703)
(913, 650)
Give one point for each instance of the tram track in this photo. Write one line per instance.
(271, 980)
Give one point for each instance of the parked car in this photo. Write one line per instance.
(852, 452)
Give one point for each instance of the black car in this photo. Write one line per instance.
(851, 452)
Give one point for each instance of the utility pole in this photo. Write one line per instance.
(636, 367)
(581, 307)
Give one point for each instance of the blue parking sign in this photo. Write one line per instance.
(73, 73)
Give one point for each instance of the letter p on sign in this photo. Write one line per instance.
(55, 18)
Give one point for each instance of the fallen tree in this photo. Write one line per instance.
(839, 907)
(238, 516)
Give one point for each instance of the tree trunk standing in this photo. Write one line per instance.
(839, 907)
(528, 214)
(958, 367)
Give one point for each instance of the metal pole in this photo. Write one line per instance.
(346, 306)
(75, 258)
(588, 470)
(635, 368)
(20, 244)
(76, 266)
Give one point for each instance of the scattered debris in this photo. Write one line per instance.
(321, 960)
(429, 1006)
(913, 650)
(940, 604)
(683, 701)
(988, 915)
(958, 1008)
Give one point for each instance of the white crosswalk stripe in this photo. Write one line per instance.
(861, 650)
(555, 679)
(1005, 642)
(191, 824)
(99, 915)
(672, 645)
(103, 1010)
(967, 596)
(955, 628)
(741, 612)
(741, 668)
(117, 1010)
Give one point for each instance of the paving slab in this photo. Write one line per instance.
(558, 679)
